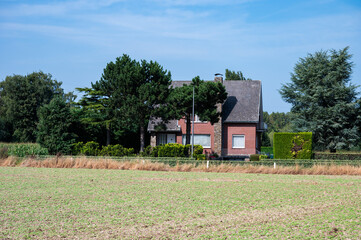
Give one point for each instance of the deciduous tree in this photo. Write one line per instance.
(21, 97)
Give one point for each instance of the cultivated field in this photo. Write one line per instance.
(56, 203)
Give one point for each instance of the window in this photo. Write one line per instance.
(200, 139)
(238, 141)
(164, 138)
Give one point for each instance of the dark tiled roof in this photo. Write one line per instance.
(242, 104)
(175, 84)
(170, 126)
(243, 101)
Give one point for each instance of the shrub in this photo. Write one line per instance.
(90, 149)
(24, 149)
(261, 157)
(268, 150)
(77, 148)
(254, 157)
(172, 150)
(4, 153)
(292, 145)
(200, 157)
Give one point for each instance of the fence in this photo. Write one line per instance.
(173, 161)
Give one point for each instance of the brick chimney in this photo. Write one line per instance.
(218, 125)
(218, 77)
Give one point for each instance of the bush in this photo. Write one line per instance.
(4, 153)
(200, 157)
(77, 148)
(292, 145)
(254, 157)
(90, 149)
(261, 157)
(24, 149)
(172, 150)
(268, 150)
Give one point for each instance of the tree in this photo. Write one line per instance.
(207, 96)
(232, 75)
(323, 99)
(54, 128)
(129, 92)
(20, 99)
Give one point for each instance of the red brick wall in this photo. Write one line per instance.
(246, 129)
(199, 128)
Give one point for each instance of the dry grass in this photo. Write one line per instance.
(69, 162)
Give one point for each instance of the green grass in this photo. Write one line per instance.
(102, 204)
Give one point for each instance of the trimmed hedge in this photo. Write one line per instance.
(93, 149)
(174, 150)
(338, 156)
(292, 145)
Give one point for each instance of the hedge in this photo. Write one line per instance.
(338, 156)
(93, 149)
(174, 150)
(292, 145)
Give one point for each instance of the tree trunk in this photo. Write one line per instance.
(141, 138)
(188, 129)
(108, 134)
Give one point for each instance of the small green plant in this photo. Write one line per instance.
(201, 157)
(255, 157)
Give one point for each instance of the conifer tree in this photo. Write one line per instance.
(323, 99)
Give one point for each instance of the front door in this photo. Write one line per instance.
(170, 138)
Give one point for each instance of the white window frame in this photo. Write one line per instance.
(244, 141)
(195, 135)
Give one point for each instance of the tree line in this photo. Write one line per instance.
(115, 109)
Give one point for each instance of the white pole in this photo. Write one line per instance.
(192, 124)
(274, 165)
(207, 164)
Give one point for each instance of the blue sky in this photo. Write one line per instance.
(74, 40)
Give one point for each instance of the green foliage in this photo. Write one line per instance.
(200, 157)
(292, 145)
(24, 149)
(323, 99)
(338, 156)
(77, 148)
(3, 152)
(20, 99)
(232, 75)
(277, 122)
(93, 149)
(90, 149)
(128, 92)
(206, 97)
(173, 150)
(262, 157)
(54, 128)
(116, 151)
(268, 150)
(254, 157)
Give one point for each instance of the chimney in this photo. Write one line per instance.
(218, 77)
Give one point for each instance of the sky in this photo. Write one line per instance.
(74, 40)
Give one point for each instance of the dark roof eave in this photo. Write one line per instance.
(241, 121)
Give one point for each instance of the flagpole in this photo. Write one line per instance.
(192, 124)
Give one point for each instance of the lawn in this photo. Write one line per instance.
(102, 204)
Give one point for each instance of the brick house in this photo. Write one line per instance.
(238, 132)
